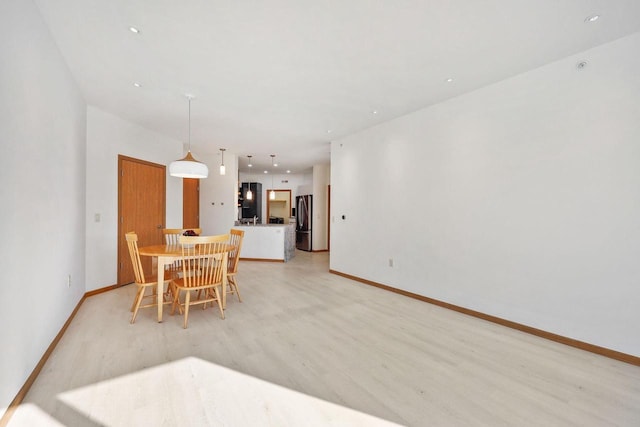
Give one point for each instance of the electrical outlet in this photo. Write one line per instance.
(69, 281)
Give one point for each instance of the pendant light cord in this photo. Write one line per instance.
(189, 124)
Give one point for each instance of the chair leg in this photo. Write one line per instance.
(169, 293)
(139, 297)
(206, 294)
(174, 290)
(135, 299)
(219, 299)
(232, 283)
(176, 300)
(186, 309)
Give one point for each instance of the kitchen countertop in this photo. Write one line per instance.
(265, 225)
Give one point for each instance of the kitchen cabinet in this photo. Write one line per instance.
(251, 208)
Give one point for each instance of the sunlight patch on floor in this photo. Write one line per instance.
(191, 392)
(30, 415)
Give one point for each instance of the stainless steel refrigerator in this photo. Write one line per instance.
(303, 222)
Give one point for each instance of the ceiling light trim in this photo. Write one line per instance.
(591, 18)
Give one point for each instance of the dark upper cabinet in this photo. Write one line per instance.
(251, 208)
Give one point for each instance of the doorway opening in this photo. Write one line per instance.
(279, 209)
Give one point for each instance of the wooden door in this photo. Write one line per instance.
(141, 208)
(190, 203)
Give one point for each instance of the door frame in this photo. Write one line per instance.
(329, 217)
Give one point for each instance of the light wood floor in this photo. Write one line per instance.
(357, 346)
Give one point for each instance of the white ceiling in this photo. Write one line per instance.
(275, 76)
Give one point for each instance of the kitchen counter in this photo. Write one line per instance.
(260, 225)
(268, 242)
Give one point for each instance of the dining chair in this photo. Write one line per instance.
(236, 237)
(204, 266)
(171, 236)
(142, 281)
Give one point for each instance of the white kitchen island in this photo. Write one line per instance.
(268, 242)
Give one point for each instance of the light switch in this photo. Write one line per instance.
(96, 217)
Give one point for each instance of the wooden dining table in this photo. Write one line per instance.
(166, 255)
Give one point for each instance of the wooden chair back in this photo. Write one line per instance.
(171, 235)
(132, 243)
(236, 237)
(204, 260)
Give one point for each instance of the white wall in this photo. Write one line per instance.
(107, 137)
(321, 179)
(520, 200)
(42, 171)
(218, 194)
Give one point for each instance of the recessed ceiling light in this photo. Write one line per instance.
(134, 30)
(136, 84)
(592, 18)
(288, 171)
(374, 112)
(266, 171)
(581, 65)
(329, 131)
(449, 80)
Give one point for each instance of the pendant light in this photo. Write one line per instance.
(223, 170)
(188, 167)
(272, 193)
(249, 194)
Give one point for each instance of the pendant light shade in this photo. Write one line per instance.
(223, 170)
(188, 167)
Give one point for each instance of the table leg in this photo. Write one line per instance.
(161, 262)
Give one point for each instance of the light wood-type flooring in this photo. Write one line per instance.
(319, 336)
